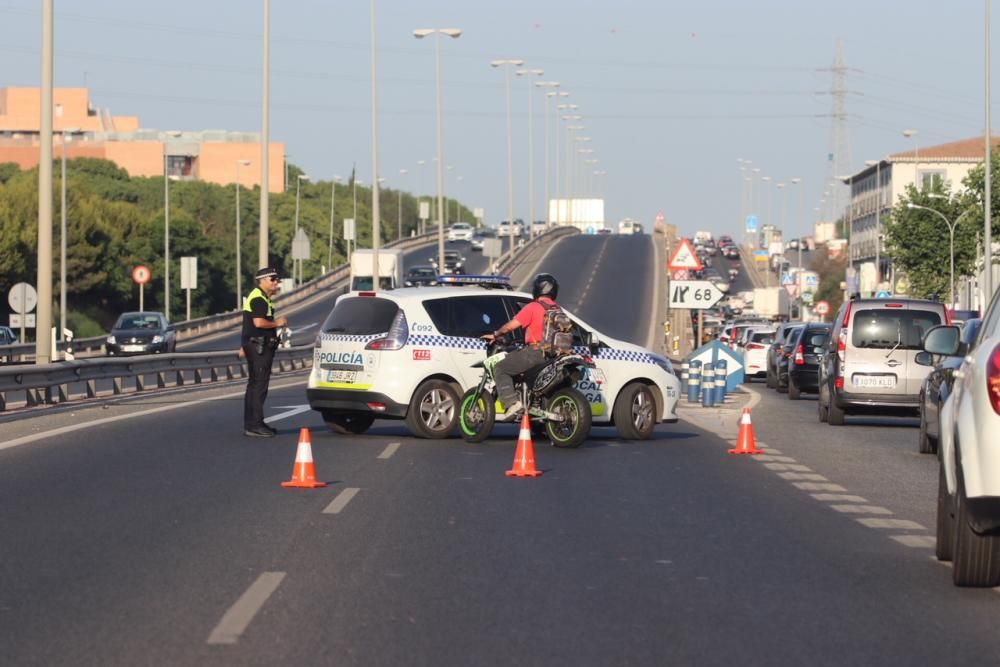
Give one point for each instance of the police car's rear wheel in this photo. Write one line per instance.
(346, 424)
(433, 411)
(574, 426)
(475, 419)
(635, 412)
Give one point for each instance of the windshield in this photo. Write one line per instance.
(884, 329)
(138, 321)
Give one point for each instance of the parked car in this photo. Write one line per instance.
(145, 332)
(460, 231)
(968, 516)
(410, 354)
(784, 358)
(869, 365)
(420, 275)
(803, 365)
(937, 386)
(755, 353)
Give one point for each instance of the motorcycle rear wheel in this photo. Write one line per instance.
(476, 415)
(575, 411)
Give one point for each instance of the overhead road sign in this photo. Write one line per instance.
(751, 223)
(684, 257)
(694, 294)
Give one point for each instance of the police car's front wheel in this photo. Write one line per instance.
(635, 412)
(433, 410)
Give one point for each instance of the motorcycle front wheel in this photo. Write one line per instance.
(574, 426)
(476, 416)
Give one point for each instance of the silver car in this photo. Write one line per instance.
(869, 366)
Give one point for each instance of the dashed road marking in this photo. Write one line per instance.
(340, 502)
(861, 509)
(838, 498)
(899, 524)
(795, 467)
(917, 541)
(812, 477)
(389, 450)
(236, 619)
(815, 486)
(769, 457)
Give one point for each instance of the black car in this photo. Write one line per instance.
(783, 357)
(807, 354)
(144, 332)
(420, 275)
(453, 262)
(774, 351)
(936, 387)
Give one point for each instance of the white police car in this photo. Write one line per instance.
(409, 354)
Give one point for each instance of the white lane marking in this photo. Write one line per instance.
(796, 467)
(238, 617)
(290, 411)
(861, 509)
(838, 498)
(340, 502)
(812, 477)
(389, 450)
(768, 457)
(771, 450)
(814, 486)
(918, 541)
(34, 437)
(900, 524)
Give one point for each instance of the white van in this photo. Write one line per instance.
(390, 268)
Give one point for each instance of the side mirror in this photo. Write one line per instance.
(924, 359)
(593, 341)
(944, 340)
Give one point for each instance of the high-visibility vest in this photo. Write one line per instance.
(258, 292)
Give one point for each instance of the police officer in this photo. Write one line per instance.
(259, 341)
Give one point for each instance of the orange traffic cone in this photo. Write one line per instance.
(744, 440)
(304, 472)
(524, 456)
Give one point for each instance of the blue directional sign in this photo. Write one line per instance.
(751, 223)
(882, 295)
(812, 280)
(787, 279)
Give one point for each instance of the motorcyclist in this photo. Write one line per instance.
(544, 291)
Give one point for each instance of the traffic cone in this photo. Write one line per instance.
(744, 439)
(524, 456)
(304, 471)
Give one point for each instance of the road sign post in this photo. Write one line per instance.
(141, 275)
(189, 278)
(22, 298)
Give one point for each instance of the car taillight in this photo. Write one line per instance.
(839, 383)
(755, 346)
(847, 315)
(800, 360)
(842, 348)
(395, 339)
(993, 378)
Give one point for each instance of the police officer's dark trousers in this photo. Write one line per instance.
(514, 363)
(259, 369)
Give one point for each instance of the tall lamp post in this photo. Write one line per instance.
(951, 238)
(333, 208)
(239, 237)
(265, 134)
(298, 185)
(548, 94)
(399, 222)
(531, 149)
(166, 225)
(507, 63)
(454, 33)
(67, 133)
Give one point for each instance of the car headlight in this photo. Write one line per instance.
(111, 340)
(663, 363)
(157, 339)
(407, 284)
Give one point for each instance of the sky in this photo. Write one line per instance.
(672, 94)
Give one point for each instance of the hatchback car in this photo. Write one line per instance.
(937, 386)
(141, 333)
(968, 507)
(410, 354)
(783, 358)
(803, 364)
(775, 350)
(420, 275)
(755, 353)
(869, 365)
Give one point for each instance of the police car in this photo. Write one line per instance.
(409, 354)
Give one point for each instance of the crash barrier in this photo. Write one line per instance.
(720, 381)
(684, 376)
(694, 381)
(212, 323)
(48, 384)
(708, 385)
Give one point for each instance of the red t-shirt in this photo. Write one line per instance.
(532, 318)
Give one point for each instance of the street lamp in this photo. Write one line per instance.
(333, 208)
(67, 133)
(399, 222)
(916, 151)
(531, 151)
(239, 263)
(548, 94)
(298, 183)
(507, 63)
(454, 33)
(951, 237)
(166, 225)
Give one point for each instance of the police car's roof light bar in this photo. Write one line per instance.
(481, 281)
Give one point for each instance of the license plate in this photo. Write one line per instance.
(597, 375)
(132, 348)
(880, 381)
(341, 376)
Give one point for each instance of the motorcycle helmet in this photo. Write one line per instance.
(545, 284)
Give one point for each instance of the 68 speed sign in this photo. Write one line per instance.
(694, 294)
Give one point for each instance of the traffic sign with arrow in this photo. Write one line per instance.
(694, 294)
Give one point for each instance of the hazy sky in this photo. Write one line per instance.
(671, 93)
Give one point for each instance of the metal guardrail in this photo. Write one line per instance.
(212, 323)
(49, 384)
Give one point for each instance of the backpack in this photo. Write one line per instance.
(557, 331)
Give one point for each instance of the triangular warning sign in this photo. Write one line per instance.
(684, 257)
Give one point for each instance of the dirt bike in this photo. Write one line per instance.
(547, 392)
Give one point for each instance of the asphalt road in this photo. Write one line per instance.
(162, 536)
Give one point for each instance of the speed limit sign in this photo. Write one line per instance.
(141, 274)
(822, 308)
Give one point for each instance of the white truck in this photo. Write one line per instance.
(770, 301)
(390, 269)
(702, 236)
